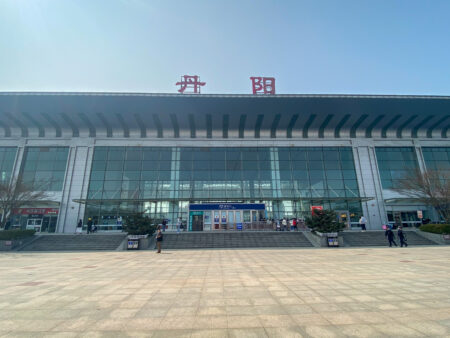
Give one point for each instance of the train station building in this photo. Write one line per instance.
(218, 161)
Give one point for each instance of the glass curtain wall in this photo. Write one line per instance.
(163, 181)
(43, 168)
(7, 158)
(394, 164)
(437, 158)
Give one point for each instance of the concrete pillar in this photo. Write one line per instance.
(369, 184)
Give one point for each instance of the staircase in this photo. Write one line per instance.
(81, 242)
(377, 238)
(228, 240)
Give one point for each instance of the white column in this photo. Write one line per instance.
(75, 186)
(369, 183)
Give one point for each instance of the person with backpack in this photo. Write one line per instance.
(390, 236)
(402, 237)
(159, 239)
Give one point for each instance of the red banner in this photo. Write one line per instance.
(315, 207)
(36, 211)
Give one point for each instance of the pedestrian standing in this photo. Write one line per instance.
(284, 224)
(390, 236)
(89, 225)
(402, 237)
(362, 223)
(178, 225)
(159, 239)
(278, 225)
(79, 227)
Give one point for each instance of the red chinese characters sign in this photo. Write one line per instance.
(190, 82)
(36, 211)
(263, 85)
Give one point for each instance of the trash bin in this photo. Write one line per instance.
(138, 242)
(133, 244)
(332, 241)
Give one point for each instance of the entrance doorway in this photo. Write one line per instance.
(34, 224)
(344, 217)
(226, 216)
(196, 220)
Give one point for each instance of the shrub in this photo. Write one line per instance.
(324, 221)
(138, 224)
(436, 228)
(9, 235)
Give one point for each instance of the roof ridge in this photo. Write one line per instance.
(394, 96)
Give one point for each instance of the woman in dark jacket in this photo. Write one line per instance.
(390, 236)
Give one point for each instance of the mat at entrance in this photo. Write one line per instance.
(221, 240)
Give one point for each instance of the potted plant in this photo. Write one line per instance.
(325, 225)
(139, 227)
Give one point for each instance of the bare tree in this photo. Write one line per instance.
(431, 187)
(14, 195)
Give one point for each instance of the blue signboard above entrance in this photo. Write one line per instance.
(228, 206)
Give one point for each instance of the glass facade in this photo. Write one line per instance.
(163, 181)
(437, 158)
(394, 163)
(7, 158)
(43, 168)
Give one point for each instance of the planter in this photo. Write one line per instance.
(437, 238)
(138, 242)
(328, 239)
(9, 245)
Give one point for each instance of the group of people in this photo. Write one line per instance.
(389, 234)
(90, 226)
(284, 223)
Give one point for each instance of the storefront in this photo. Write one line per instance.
(39, 219)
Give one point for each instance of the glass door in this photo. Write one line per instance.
(231, 224)
(238, 215)
(207, 220)
(223, 220)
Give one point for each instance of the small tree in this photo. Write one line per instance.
(14, 195)
(138, 224)
(431, 188)
(324, 221)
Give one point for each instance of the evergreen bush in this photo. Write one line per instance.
(9, 235)
(436, 228)
(324, 221)
(138, 224)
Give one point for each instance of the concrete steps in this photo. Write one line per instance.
(80, 242)
(225, 240)
(377, 238)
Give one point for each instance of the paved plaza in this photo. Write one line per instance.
(227, 293)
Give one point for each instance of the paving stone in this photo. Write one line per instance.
(360, 292)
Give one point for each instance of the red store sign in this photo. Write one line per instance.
(36, 211)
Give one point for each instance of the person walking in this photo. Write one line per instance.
(89, 225)
(401, 237)
(390, 236)
(362, 223)
(159, 239)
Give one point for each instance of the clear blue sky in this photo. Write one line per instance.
(336, 46)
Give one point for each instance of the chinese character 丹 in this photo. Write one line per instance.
(263, 85)
(190, 82)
